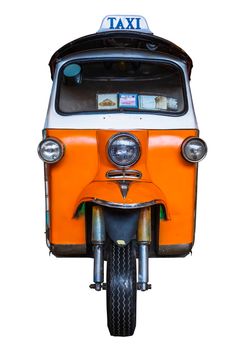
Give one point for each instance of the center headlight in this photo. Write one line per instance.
(124, 149)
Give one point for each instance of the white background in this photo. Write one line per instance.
(46, 302)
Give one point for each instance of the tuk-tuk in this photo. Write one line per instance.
(121, 149)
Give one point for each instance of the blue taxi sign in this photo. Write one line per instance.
(124, 22)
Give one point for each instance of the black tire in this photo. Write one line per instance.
(121, 290)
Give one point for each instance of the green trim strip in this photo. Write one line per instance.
(162, 213)
(80, 211)
(47, 218)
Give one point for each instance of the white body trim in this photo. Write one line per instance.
(120, 121)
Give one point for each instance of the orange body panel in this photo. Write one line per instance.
(177, 178)
(81, 176)
(66, 181)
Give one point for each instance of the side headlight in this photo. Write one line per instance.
(50, 150)
(194, 149)
(124, 149)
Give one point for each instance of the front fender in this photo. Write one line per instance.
(107, 193)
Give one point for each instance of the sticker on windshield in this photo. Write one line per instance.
(128, 100)
(172, 104)
(157, 103)
(107, 101)
(152, 102)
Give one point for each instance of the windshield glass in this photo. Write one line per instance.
(120, 85)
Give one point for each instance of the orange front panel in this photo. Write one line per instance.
(177, 179)
(84, 167)
(67, 179)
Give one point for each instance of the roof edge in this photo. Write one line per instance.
(120, 39)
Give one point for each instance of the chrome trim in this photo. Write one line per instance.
(46, 187)
(119, 134)
(123, 173)
(61, 145)
(123, 205)
(185, 143)
(124, 187)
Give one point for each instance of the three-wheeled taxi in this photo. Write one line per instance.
(120, 149)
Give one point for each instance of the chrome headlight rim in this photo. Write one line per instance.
(61, 146)
(122, 134)
(184, 144)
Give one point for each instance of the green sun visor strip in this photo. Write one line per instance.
(80, 211)
(162, 213)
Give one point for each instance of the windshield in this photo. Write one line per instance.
(120, 85)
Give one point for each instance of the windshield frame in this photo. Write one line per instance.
(122, 111)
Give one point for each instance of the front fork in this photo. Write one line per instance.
(98, 240)
(144, 241)
(98, 237)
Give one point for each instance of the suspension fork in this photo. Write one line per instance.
(98, 240)
(98, 237)
(144, 240)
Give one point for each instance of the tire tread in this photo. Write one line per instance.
(121, 290)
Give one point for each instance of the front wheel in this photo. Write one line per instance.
(121, 289)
